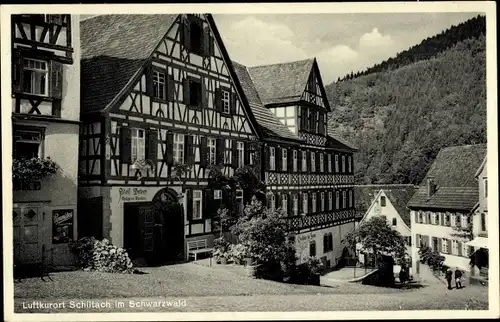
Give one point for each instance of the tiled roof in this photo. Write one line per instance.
(338, 140)
(398, 194)
(270, 126)
(114, 48)
(281, 83)
(453, 172)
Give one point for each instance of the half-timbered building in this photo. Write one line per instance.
(45, 125)
(308, 172)
(160, 104)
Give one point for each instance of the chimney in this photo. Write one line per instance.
(431, 187)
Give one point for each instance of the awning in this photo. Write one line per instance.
(480, 242)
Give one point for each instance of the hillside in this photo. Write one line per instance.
(400, 118)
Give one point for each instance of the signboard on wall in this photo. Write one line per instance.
(133, 194)
(62, 226)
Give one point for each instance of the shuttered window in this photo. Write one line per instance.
(305, 209)
(329, 163)
(321, 163)
(337, 200)
(343, 164)
(344, 199)
(35, 76)
(314, 202)
(272, 158)
(285, 159)
(304, 161)
(322, 201)
(227, 151)
(330, 200)
(313, 161)
(178, 148)
(241, 154)
(295, 204)
(197, 204)
(138, 146)
(336, 163)
(295, 161)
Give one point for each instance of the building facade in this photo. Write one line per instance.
(309, 174)
(45, 120)
(441, 208)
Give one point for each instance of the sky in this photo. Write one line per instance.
(341, 43)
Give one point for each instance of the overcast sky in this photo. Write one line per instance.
(340, 42)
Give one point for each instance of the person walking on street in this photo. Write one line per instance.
(458, 278)
(449, 275)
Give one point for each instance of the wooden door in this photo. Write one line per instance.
(27, 234)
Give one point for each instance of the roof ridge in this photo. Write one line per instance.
(283, 63)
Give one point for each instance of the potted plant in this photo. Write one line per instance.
(315, 267)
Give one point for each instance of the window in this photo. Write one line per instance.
(337, 200)
(251, 157)
(273, 201)
(304, 161)
(284, 160)
(420, 218)
(483, 222)
(313, 162)
(178, 148)
(350, 198)
(343, 164)
(329, 163)
(284, 203)
(457, 220)
(336, 163)
(321, 165)
(314, 202)
(343, 199)
(465, 220)
(349, 164)
(447, 221)
(227, 152)
(35, 77)
(239, 201)
(382, 201)
(454, 247)
(485, 182)
(159, 88)
(226, 101)
(394, 222)
(195, 36)
(295, 160)
(322, 201)
(211, 151)
(272, 158)
(197, 204)
(195, 92)
(217, 194)
(304, 203)
(312, 248)
(418, 241)
(327, 242)
(295, 204)
(241, 154)
(330, 200)
(27, 143)
(428, 219)
(139, 144)
(444, 245)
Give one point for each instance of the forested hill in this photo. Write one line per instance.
(400, 118)
(429, 47)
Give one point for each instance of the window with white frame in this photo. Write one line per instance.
(433, 218)
(337, 200)
(322, 201)
(273, 202)
(313, 161)
(226, 101)
(321, 165)
(159, 88)
(458, 220)
(343, 164)
(295, 152)
(284, 160)
(304, 203)
(343, 199)
(465, 220)
(239, 201)
(35, 76)
(217, 194)
(420, 217)
(241, 154)
(444, 245)
(329, 163)
(336, 163)
(212, 155)
(454, 247)
(465, 250)
(251, 157)
(304, 161)
(138, 145)
(284, 203)
(227, 153)
(27, 143)
(178, 148)
(314, 202)
(197, 210)
(330, 200)
(295, 204)
(350, 198)
(349, 164)
(447, 220)
(272, 158)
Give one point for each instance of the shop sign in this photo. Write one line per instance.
(133, 194)
(62, 226)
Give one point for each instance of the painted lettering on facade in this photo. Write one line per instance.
(132, 194)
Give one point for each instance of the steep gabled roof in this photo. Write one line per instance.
(113, 49)
(281, 83)
(453, 172)
(398, 194)
(270, 126)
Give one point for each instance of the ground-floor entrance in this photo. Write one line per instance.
(153, 232)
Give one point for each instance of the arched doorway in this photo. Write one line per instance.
(154, 231)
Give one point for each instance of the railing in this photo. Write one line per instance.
(319, 219)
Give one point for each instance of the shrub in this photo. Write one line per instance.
(238, 252)
(101, 256)
(314, 265)
(34, 169)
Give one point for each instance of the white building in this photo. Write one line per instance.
(442, 206)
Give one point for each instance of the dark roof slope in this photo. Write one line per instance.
(268, 123)
(281, 83)
(338, 139)
(398, 194)
(453, 172)
(113, 50)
